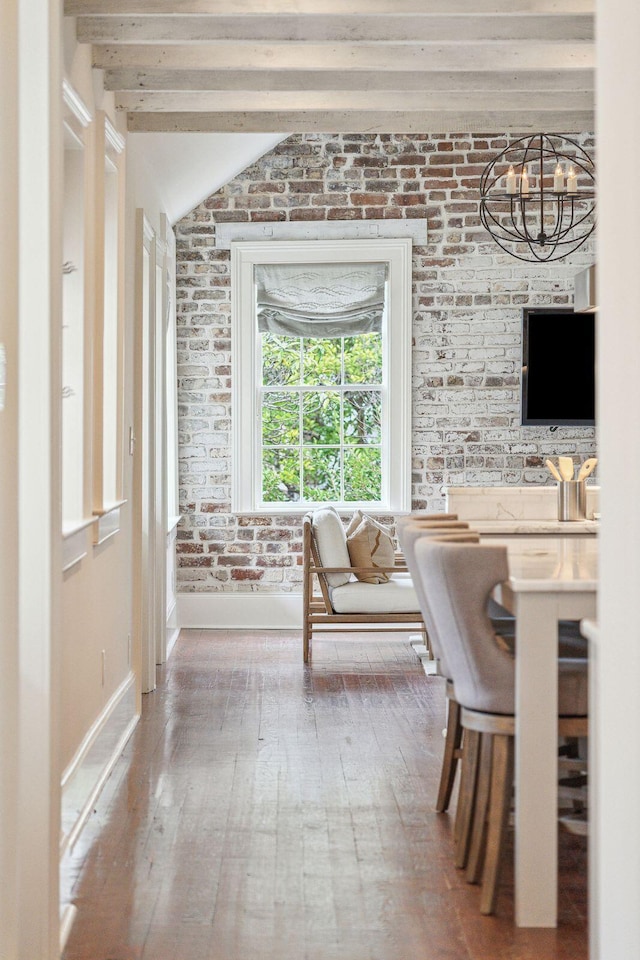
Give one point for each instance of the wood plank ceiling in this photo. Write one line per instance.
(402, 66)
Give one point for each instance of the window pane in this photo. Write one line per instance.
(363, 358)
(362, 416)
(280, 360)
(280, 418)
(362, 478)
(321, 418)
(322, 361)
(321, 474)
(280, 475)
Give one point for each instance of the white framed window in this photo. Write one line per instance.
(321, 412)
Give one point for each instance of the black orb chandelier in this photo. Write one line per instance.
(538, 196)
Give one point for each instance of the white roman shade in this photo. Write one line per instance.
(320, 299)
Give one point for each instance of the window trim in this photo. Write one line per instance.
(110, 156)
(396, 254)
(77, 122)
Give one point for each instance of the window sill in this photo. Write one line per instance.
(107, 522)
(75, 544)
(172, 523)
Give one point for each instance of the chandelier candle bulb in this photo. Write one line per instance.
(558, 180)
(524, 183)
(511, 180)
(572, 181)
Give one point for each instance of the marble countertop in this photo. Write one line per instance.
(534, 527)
(555, 564)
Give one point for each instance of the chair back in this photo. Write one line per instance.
(457, 579)
(445, 521)
(408, 536)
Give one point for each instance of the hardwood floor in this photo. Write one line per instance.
(267, 810)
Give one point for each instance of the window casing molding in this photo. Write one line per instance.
(396, 453)
(76, 332)
(108, 356)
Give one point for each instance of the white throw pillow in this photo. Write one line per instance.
(332, 544)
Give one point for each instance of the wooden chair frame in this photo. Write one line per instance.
(485, 795)
(318, 613)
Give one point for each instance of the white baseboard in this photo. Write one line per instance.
(67, 916)
(241, 611)
(94, 760)
(172, 635)
(248, 611)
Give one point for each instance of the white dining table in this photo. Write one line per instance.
(550, 579)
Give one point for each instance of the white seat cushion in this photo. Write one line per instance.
(396, 596)
(332, 544)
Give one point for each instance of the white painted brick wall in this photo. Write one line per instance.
(467, 302)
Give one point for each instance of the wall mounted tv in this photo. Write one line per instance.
(558, 367)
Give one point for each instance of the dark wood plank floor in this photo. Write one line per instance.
(267, 810)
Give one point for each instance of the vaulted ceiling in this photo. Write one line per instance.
(402, 66)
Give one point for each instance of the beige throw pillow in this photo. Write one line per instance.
(371, 545)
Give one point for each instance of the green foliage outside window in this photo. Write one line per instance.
(321, 406)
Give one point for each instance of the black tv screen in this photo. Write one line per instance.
(558, 367)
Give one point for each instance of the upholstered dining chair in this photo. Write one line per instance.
(572, 643)
(503, 624)
(408, 535)
(420, 515)
(457, 580)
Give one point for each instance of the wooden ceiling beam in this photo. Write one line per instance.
(419, 28)
(130, 79)
(508, 55)
(359, 101)
(123, 8)
(344, 65)
(336, 121)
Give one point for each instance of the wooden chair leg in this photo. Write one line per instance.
(307, 595)
(499, 807)
(479, 831)
(451, 755)
(464, 813)
(306, 638)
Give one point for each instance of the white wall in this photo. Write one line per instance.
(96, 593)
(29, 483)
(188, 167)
(8, 477)
(615, 725)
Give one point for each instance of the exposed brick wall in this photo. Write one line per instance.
(467, 299)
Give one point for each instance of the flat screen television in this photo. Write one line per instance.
(558, 368)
